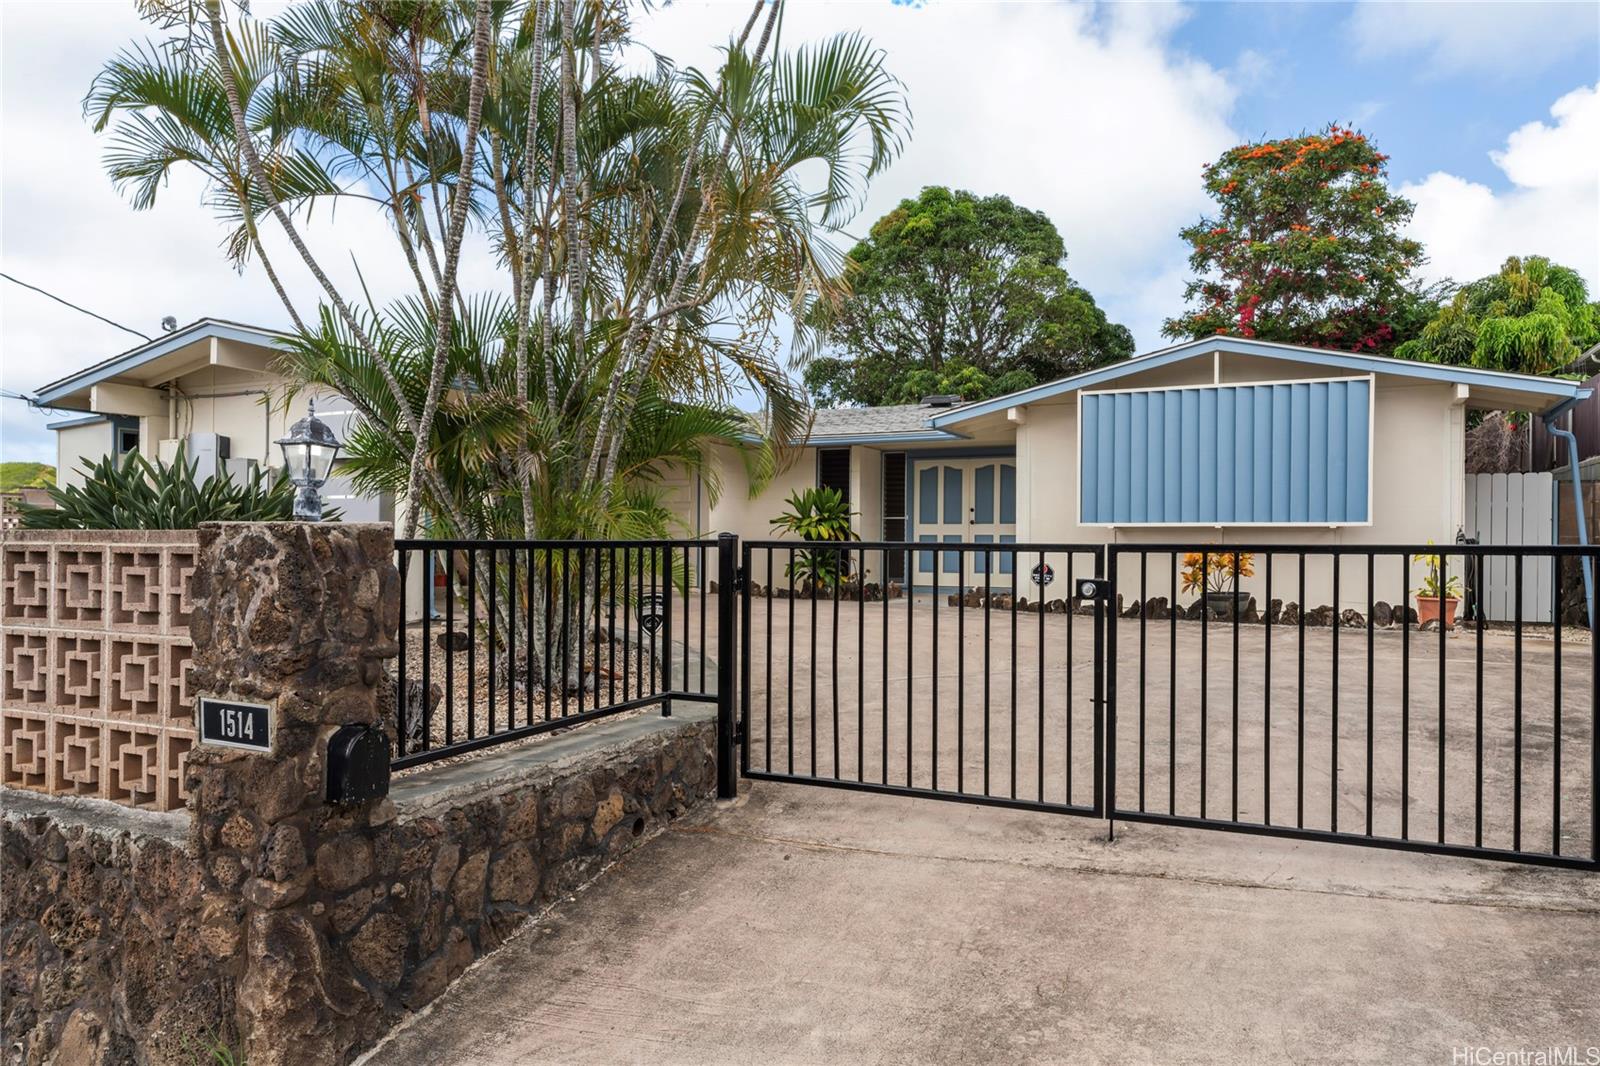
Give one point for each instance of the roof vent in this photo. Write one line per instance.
(942, 400)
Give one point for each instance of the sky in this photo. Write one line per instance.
(1100, 115)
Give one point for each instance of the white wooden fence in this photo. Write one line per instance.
(1514, 509)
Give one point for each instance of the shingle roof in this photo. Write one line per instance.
(852, 421)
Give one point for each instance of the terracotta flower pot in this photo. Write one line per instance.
(1428, 610)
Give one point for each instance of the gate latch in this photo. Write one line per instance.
(1093, 588)
(738, 579)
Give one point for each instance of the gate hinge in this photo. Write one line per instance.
(738, 579)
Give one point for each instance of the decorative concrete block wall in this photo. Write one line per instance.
(94, 663)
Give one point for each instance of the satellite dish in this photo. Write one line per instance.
(169, 323)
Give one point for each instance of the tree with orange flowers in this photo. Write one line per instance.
(1305, 248)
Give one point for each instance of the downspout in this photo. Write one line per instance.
(1577, 497)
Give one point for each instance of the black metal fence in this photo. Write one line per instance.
(980, 684)
(1296, 691)
(508, 639)
(1280, 689)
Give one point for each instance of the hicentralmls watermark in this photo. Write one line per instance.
(1568, 1055)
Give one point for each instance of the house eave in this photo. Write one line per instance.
(128, 361)
(1536, 389)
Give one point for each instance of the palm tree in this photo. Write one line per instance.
(653, 225)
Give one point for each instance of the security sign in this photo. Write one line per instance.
(652, 612)
(1043, 574)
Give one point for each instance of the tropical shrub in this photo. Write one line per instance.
(138, 494)
(819, 514)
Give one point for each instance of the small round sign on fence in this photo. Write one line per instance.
(1043, 574)
(652, 612)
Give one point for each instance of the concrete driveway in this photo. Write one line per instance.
(806, 925)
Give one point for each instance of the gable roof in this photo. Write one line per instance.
(166, 344)
(1542, 393)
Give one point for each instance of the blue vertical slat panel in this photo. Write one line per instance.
(1299, 453)
(1338, 507)
(1122, 445)
(1089, 459)
(1358, 416)
(1107, 457)
(1172, 463)
(1261, 445)
(1317, 453)
(1244, 480)
(1154, 489)
(953, 501)
(1190, 487)
(1008, 493)
(1226, 454)
(1227, 459)
(1139, 457)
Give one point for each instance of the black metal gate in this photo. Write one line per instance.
(971, 680)
(1303, 697)
(1296, 694)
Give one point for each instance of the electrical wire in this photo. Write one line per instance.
(74, 306)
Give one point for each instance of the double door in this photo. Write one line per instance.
(964, 501)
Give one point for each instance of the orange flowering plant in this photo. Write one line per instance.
(1216, 571)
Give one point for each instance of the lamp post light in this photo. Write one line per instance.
(308, 452)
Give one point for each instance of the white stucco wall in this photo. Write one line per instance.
(79, 443)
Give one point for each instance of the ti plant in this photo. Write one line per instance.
(133, 493)
(1433, 585)
(1216, 571)
(819, 514)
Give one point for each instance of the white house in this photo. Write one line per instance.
(209, 385)
(1212, 442)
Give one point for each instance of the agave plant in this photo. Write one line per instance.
(134, 493)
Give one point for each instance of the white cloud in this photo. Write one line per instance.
(1089, 114)
(1492, 39)
(1552, 207)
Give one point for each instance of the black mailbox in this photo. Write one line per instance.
(358, 764)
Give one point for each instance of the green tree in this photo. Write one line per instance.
(1533, 317)
(1305, 248)
(953, 292)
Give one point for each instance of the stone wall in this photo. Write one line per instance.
(122, 940)
(94, 658)
(110, 949)
(270, 922)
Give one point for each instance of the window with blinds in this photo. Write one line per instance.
(833, 470)
(894, 510)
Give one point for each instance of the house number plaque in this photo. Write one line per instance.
(232, 724)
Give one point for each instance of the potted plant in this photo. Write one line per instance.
(1436, 599)
(1217, 574)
